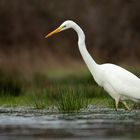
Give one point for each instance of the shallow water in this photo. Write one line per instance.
(99, 124)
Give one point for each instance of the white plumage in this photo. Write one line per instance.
(121, 84)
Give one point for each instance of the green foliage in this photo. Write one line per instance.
(68, 94)
(37, 98)
(10, 84)
(13, 101)
(136, 106)
(40, 80)
(71, 100)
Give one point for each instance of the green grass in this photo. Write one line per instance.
(37, 99)
(12, 101)
(72, 100)
(68, 93)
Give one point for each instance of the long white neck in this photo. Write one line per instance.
(92, 65)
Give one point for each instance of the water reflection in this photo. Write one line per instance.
(104, 124)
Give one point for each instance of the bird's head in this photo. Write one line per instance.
(64, 26)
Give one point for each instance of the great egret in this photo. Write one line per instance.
(121, 84)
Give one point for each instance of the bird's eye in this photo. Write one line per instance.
(64, 26)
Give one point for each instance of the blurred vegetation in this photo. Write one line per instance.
(68, 94)
(37, 98)
(112, 29)
(28, 62)
(10, 84)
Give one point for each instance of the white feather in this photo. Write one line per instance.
(118, 82)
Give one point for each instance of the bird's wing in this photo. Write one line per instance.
(122, 81)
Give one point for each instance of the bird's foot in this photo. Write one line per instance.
(116, 109)
(126, 106)
(128, 109)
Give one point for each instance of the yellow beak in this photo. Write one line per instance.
(54, 32)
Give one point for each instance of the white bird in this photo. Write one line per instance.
(121, 84)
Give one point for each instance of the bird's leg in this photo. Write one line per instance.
(125, 104)
(117, 103)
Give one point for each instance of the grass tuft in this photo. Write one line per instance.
(72, 100)
(38, 99)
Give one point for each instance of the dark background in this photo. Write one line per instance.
(112, 29)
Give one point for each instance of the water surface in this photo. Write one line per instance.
(99, 124)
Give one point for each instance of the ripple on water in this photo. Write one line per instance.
(41, 124)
